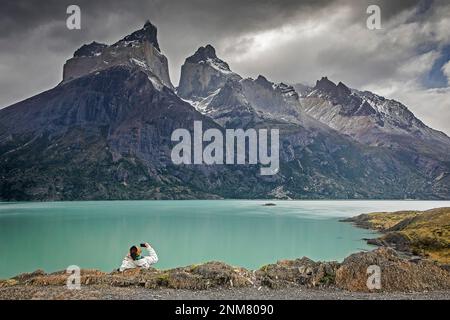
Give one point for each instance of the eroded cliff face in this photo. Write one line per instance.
(275, 99)
(140, 49)
(203, 73)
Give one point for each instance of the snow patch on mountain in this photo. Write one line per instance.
(218, 65)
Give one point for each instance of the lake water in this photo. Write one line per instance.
(98, 234)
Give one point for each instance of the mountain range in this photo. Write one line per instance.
(104, 132)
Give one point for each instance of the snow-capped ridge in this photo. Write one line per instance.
(148, 33)
(203, 73)
(203, 54)
(207, 55)
(89, 50)
(325, 84)
(370, 118)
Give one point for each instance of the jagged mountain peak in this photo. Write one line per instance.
(148, 24)
(231, 94)
(88, 50)
(203, 54)
(342, 88)
(148, 33)
(325, 84)
(329, 87)
(302, 89)
(282, 87)
(372, 119)
(261, 78)
(207, 54)
(203, 73)
(140, 49)
(262, 81)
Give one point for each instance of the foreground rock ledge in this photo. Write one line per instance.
(397, 274)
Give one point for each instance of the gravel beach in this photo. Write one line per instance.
(114, 293)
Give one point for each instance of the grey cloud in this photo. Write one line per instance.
(35, 42)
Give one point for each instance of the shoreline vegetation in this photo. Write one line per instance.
(414, 234)
(413, 258)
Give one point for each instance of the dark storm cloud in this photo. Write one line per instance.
(215, 18)
(19, 16)
(35, 42)
(195, 19)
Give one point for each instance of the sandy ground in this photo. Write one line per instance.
(115, 293)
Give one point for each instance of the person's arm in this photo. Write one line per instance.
(152, 257)
(147, 261)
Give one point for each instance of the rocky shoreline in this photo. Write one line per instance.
(332, 279)
(413, 234)
(402, 276)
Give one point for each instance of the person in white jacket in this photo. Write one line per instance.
(134, 259)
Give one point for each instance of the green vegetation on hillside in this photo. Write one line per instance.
(426, 233)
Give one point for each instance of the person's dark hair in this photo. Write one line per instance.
(134, 252)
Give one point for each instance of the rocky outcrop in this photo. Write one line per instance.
(90, 50)
(139, 49)
(397, 274)
(203, 73)
(229, 107)
(194, 277)
(274, 100)
(414, 233)
(304, 272)
(147, 34)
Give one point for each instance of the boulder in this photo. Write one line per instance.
(397, 274)
(302, 271)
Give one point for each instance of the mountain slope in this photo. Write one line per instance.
(367, 117)
(105, 133)
(100, 136)
(376, 121)
(314, 156)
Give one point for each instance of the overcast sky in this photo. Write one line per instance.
(290, 41)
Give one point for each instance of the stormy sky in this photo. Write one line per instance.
(294, 41)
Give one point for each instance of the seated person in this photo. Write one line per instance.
(135, 260)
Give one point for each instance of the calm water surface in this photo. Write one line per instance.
(97, 234)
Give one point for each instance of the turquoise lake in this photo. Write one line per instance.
(98, 234)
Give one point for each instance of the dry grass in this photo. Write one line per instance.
(386, 220)
(427, 231)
